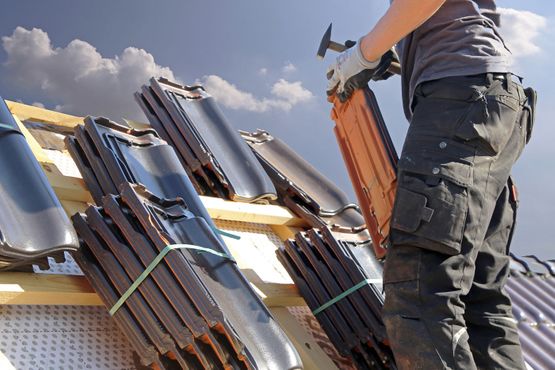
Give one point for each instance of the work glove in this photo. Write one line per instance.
(352, 71)
(382, 71)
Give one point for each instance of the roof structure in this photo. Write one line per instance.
(264, 227)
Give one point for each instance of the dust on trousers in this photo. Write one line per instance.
(452, 225)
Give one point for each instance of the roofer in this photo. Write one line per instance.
(455, 205)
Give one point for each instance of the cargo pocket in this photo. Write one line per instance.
(490, 121)
(431, 203)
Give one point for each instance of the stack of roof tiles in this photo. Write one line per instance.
(33, 224)
(217, 161)
(324, 268)
(332, 257)
(195, 310)
(189, 120)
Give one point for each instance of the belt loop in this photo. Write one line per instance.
(518, 87)
(509, 84)
(489, 79)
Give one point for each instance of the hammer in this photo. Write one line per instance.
(327, 43)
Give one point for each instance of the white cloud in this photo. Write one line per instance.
(520, 29)
(79, 80)
(292, 92)
(77, 76)
(289, 68)
(38, 105)
(263, 71)
(285, 95)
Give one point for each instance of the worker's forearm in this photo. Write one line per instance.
(402, 17)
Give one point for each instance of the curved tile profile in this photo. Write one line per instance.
(161, 121)
(117, 154)
(85, 168)
(33, 224)
(304, 189)
(141, 157)
(201, 134)
(314, 187)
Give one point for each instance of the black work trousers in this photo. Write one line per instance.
(452, 223)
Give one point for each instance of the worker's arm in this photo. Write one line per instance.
(356, 66)
(402, 17)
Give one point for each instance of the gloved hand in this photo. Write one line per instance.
(382, 71)
(352, 71)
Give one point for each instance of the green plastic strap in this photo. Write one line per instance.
(10, 128)
(333, 301)
(155, 263)
(225, 233)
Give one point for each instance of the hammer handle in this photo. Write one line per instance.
(335, 46)
(395, 68)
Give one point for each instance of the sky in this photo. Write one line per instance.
(258, 59)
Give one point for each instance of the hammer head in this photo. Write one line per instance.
(324, 44)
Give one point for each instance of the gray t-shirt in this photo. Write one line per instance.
(460, 39)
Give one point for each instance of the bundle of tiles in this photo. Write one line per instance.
(171, 316)
(156, 259)
(33, 224)
(342, 284)
(217, 161)
(332, 264)
(306, 191)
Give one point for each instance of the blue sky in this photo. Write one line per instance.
(259, 60)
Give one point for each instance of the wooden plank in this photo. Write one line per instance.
(274, 294)
(74, 189)
(279, 295)
(72, 207)
(256, 213)
(33, 143)
(65, 187)
(312, 355)
(285, 232)
(46, 289)
(49, 289)
(74, 197)
(29, 112)
(20, 288)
